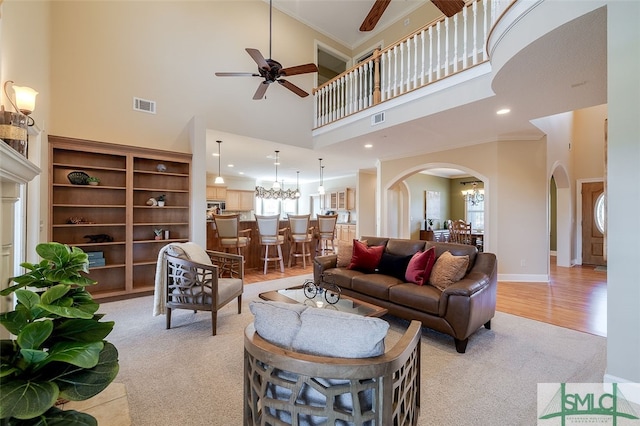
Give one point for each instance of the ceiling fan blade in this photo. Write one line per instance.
(257, 56)
(449, 7)
(300, 69)
(237, 74)
(295, 89)
(262, 89)
(374, 15)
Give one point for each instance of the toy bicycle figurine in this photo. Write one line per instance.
(331, 291)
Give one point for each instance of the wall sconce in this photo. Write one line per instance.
(13, 125)
(473, 196)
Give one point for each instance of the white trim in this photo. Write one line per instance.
(318, 45)
(524, 278)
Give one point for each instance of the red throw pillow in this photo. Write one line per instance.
(420, 266)
(365, 258)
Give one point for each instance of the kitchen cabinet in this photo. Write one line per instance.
(217, 193)
(343, 199)
(239, 200)
(345, 232)
(116, 219)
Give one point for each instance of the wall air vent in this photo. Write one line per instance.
(144, 105)
(377, 118)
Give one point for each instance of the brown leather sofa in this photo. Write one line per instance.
(458, 311)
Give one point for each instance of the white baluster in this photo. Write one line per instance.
(423, 59)
(485, 31)
(475, 33)
(446, 46)
(430, 79)
(465, 38)
(438, 45)
(455, 42)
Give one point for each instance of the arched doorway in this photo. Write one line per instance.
(562, 215)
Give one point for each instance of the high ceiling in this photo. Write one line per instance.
(569, 64)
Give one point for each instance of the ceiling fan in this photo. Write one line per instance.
(448, 7)
(271, 70)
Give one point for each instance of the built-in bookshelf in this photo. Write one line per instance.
(119, 216)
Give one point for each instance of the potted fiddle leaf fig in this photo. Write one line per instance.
(58, 352)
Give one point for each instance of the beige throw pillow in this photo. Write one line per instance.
(345, 253)
(448, 269)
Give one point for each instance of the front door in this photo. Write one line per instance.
(592, 238)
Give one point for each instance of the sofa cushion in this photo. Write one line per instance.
(420, 265)
(340, 334)
(394, 265)
(424, 298)
(448, 269)
(277, 322)
(365, 258)
(374, 285)
(401, 247)
(340, 276)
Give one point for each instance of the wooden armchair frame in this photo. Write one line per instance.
(201, 287)
(275, 379)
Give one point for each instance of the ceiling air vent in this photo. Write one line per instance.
(377, 118)
(144, 105)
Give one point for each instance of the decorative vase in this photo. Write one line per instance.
(160, 203)
(93, 183)
(158, 237)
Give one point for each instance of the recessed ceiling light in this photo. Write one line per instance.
(230, 165)
(368, 145)
(215, 154)
(503, 111)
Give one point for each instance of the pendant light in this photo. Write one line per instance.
(297, 193)
(219, 179)
(276, 184)
(321, 187)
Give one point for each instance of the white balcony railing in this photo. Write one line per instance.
(434, 52)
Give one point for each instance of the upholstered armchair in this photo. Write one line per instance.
(195, 281)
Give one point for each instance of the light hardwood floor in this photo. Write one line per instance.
(575, 298)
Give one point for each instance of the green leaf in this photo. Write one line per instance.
(80, 354)
(77, 385)
(83, 330)
(54, 293)
(14, 321)
(57, 417)
(26, 399)
(33, 335)
(66, 312)
(7, 370)
(33, 356)
(28, 298)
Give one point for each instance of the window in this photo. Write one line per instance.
(475, 215)
(599, 213)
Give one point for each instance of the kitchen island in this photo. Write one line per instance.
(255, 251)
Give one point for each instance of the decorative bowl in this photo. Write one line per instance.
(78, 178)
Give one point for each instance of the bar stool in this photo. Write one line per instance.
(230, 237)
(300, 238)
(270, 236)
(326, 232)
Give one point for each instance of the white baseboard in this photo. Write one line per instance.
(631, 390)
(525, 278)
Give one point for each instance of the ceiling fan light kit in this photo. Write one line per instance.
(272, 70)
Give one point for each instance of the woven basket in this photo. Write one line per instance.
(78, 178)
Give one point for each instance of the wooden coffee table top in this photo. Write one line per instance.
(345, 304)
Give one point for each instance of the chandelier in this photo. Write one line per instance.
(473, 196)
(277, 190)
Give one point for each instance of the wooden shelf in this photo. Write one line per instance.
(117, 207)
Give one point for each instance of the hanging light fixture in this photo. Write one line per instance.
(473, 196)
(219, 179)
(297, 193)
(321, 187)
(276, 184)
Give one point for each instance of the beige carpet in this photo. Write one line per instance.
(185, 376)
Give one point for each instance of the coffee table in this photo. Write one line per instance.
(345, 304)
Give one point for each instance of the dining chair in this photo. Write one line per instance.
(300, 236)
(270, 235)
(460, 232)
